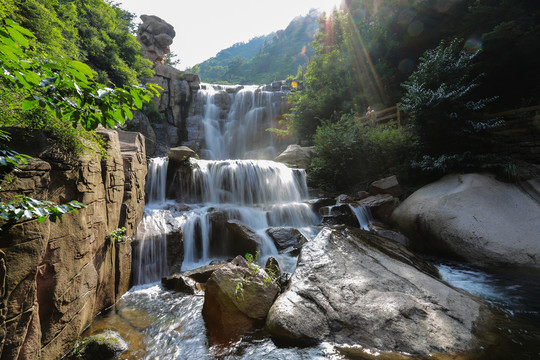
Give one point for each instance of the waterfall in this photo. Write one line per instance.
(230, 185)
(260, 194)
(363, 215)
(235, 119)
(156, 179)
(150, 243)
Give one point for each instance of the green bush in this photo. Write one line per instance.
(442, 105)
(349, 154)
(69, 139)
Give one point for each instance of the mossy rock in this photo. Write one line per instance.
(101, 346)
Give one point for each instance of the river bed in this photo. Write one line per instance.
(162, 324)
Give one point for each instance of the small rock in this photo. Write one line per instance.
(389, 185)
(181, 283)
(104, 345)
(286, 237)
(180, 153)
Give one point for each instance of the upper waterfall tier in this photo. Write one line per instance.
(235, 119)
(243, 182)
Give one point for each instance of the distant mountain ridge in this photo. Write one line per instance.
(266, 58)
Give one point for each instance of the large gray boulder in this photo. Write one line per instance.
(297, 156)
(476, 217)
(358, 288)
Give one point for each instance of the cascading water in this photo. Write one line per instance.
(235, 121)
(260, 194)
(150, 245)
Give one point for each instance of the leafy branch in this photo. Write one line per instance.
(67, 88)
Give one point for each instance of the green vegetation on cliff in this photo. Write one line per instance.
(51, 93)
(96, 32)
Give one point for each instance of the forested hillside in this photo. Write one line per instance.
(95, 32)
(446, 62)
(74, 65)
(266, 58)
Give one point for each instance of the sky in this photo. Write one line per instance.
(205, 27)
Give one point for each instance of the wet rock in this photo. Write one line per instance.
(242, 238)
(338, 214)
(344, 199)
(381, 206)
(236, 300)
(286, 237)
(389, 185)
(390, 234)
(317, 204)
(104, 345)
(475, 217)
(181, 283)
(358, 288)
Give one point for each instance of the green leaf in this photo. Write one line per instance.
(29, 104)
(82, 67)
(18, 37)
(22, 80)
(138, 101)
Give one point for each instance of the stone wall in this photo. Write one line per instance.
(56, 277)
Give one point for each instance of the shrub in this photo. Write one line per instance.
(349, 153)
(440, 100)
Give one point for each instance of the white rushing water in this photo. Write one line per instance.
(235, 121)
(260, 194)
(150, 245)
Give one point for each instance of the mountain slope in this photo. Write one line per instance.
(266, 58)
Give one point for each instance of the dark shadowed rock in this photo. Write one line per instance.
(203, 273)
(381, 206)
(338, 214)
(286, 237)
(358, 288)
(243, 239)
(104, 345)
(316, 204)
(181, 283)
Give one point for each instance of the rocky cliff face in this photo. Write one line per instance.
(55, 277)
(155, 36)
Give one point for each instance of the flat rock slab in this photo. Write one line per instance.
(358, 288)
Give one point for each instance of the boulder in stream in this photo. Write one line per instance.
(101, 346)
(243, 238)
(476, 217)
(237, 299)
(286, 238)
(358, 288)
